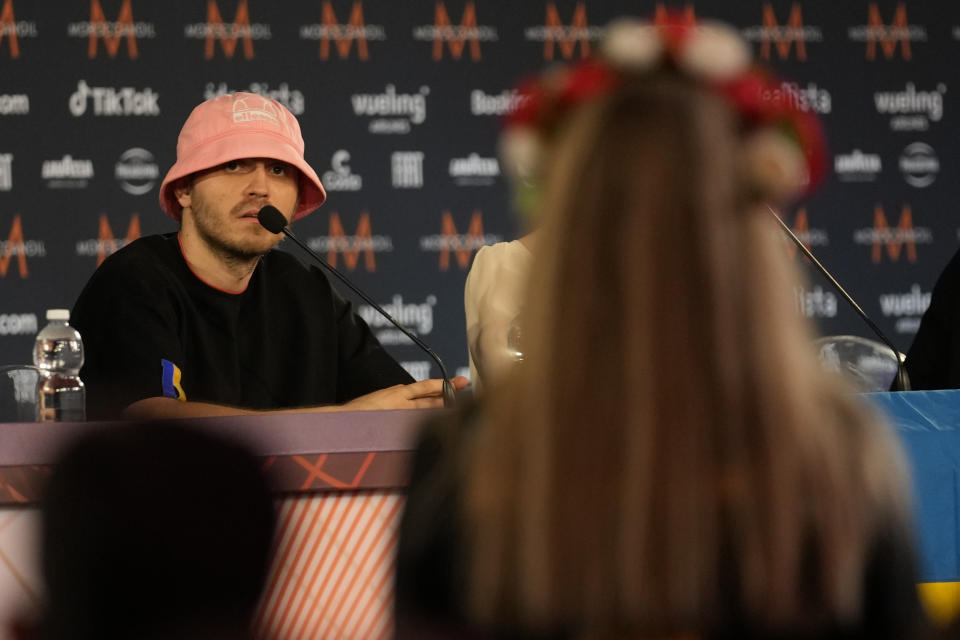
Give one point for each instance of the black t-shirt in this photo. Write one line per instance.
(933, 361)
(150, 327)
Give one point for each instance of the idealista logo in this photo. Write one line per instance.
(6, 171)
(110, 101)
(106, 243)
(898, 32)
(340, 178)
(16, 247)
(415, 317)
(343, 35)
(907, 307)
(857, 166)
(406, 169)
(363, 241)
(462, 245)
(474, 170)
(292, 99)
(227, 34)
(442, 31)
(18, 324)
(12, 31)
(904, 235)
(494, 104)
(554, 33)
(136, 171)
(815, 303)
(67, 172)
(397, 111)
(919, 164)
(113, 32)
(808, 98)
(912, 110)
(793, 35)
(810, 237)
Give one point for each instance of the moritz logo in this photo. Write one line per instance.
(343, 35)
(15, 247)
(898, 32)
(228, 34)
(554, 33)
(337, 242)
(106, 243)
(12, 31)
(794, 35)
(461, 245)
(456, 37)
(113, 32)
(895, 240)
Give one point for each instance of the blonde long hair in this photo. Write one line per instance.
(670, 437)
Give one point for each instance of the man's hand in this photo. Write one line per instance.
(426, 394)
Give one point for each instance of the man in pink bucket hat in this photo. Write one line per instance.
(210, 320)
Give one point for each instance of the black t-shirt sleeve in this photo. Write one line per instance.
(132, 349)
(933, 359)
(364, 365)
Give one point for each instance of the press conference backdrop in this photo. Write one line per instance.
(400, 104)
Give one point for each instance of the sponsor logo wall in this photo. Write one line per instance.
(400, 106)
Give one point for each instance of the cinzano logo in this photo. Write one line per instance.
(292, 99)
(227, 34)
(136, 171)
(898, 32)
(113, 32)
(857, 166)
(462, 245)
(919, 164)
(16, 248)
(110, 101)
(402, 110)
(815, 303)
(6, 171)
(106, 243)
(895, 240)
(67, 172)
(406, 169)
(343, 35)
(497, 104)
(442, 31)
(12, 31)
(18, 324)
(810, 237)
(412, 316)
(554, 33)
(14, 104)
(809, 98)
(474, 170)
(340, 177)
(363, 241)
(912, 110)
(793, 35)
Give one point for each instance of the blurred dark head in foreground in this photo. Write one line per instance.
(154, 531)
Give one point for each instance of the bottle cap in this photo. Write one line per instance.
(58, 314)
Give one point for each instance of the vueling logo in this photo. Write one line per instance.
(343, 35)
(113, 32)
(904, 236)
(16, 247)
(337, 242)
(898, 32)
(793, 35)
(442, 31)
(461, 245)
(106, 242)
(554, 33)
(228, 34)
(12, 31)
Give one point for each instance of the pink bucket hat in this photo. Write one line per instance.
(235, 126)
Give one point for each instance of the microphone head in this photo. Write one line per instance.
(271, 219)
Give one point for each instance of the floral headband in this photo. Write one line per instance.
(785, 152)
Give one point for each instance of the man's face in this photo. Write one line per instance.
(222, 204)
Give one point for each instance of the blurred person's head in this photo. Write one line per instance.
(154, 531)
(670, 455)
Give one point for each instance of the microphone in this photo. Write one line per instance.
(902, 382)
(275, 222)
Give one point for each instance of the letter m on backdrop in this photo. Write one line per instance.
(98, 23)
(442, 22)
(14, 245)
(893, 244)
(792, 32)
(107, 239)
(569, 41)
(877, 30)
(344, 40)
(8, 27)
(351, 256)
(452, 240)
(228, 42)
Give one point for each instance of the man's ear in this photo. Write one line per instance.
(182, 190)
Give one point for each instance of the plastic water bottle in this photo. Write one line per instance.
(58, 353)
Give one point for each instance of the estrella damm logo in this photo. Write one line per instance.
(661, 14)
(556, 33)
(112, 33)
(899, 33)
(11, 30)
(15, 247)
(363, 241)
(450, 240)
(343, 36)
(443, 31)
(905, 236)
(793, 35)
(228, 34)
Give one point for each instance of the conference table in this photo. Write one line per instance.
(339, 481)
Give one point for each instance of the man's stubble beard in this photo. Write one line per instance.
(230, 252)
